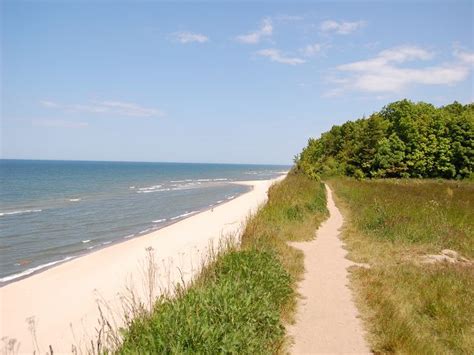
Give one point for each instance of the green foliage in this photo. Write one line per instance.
(239, 303)
(404, 139)
(236, 310)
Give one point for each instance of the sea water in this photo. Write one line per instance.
(54, 211)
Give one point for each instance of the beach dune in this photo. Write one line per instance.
(60, 306)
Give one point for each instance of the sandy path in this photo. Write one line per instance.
(63, 299)
(327, 320)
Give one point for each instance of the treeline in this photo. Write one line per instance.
(404, 139)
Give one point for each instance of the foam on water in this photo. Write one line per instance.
(184, 215)
(19, 212)
(33, 269)
(160, 220)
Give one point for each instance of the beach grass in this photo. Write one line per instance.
(242, 299)
(408, 305)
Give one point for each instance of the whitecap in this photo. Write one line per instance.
(18, 212)
(184, 215)
(86, 241)
(145, 231)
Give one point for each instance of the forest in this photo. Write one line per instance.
(403, 140)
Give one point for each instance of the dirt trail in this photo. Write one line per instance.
(327, 319)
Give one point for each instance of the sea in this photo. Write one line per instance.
(54, 211)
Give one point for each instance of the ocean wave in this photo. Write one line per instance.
(86, 241)
(154, 187)
(178, 185)
(145, 231)
(18, 212)
(230, 197)
(220, 201)
(201, 180)
(108, 242)
(74, 199)
(160, 220)
(140, 191)
(33, 269)
(184, 215)
(129, 236)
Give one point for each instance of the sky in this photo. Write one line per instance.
(217, 81)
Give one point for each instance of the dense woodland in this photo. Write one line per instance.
(404, 139)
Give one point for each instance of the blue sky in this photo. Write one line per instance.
(236, 82)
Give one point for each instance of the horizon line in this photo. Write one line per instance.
(139, 161)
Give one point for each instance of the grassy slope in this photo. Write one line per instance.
(411, 307)
(239, 303)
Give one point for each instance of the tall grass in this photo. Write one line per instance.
(241, 300)
(234, 308)
(409, 306)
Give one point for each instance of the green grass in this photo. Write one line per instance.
(235, 308)
(410, 307)
(295, 209)
(240, 303)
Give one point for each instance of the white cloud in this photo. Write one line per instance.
(265, 30)
(465, 57)
(384, 72)
(276, 56)
(107, 107)
(59, 124)
(189, 37)
(342, 28)
(47, 103)
(388, 56)
(311, 50)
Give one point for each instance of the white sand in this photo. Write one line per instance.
(63, 300)
(327, 320)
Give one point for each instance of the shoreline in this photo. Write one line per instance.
(63, 299)
(170, 221)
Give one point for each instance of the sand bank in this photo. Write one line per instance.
(63, 301)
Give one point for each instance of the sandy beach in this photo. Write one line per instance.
(62, 302)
